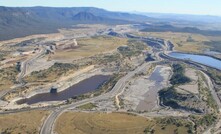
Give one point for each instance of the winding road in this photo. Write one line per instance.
(49, 123)
(24, 66)
(47, 127)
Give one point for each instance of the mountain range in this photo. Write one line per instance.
(22, 21)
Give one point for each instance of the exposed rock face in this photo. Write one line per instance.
(67, 44)
(75, 42)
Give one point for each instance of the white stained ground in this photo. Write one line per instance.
(141, 94)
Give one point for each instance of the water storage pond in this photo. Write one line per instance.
(85, 86)
(206, 60)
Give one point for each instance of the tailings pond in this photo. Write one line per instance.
(156, 81)
(206, 60)
(85, 86)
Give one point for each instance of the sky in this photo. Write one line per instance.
(205, 7)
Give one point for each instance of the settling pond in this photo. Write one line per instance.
(85, 86)
(206, 60)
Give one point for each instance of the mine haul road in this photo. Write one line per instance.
(47, 127)
(24, 66)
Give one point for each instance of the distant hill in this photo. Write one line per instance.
(87, 17)
(183, 17)
(170, 28)
(23, 21)
(206, 22)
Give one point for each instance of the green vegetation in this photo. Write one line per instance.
(203, 122)
(117, 60)
(107, 86)
(190, 39)
(170, 97)
(133, 48)
(8, 77)
(205, 93)
(52, 73)
(87, 106)
(18, 67)
(178, 122)
(121, 103)
(2, 56)
(216, 45)
(210, 100)
(178, 76)
(215, 75)
(108, 58)
(25, 43)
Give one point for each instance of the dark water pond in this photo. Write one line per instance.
(85, 86)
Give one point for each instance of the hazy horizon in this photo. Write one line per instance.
(197, 7)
